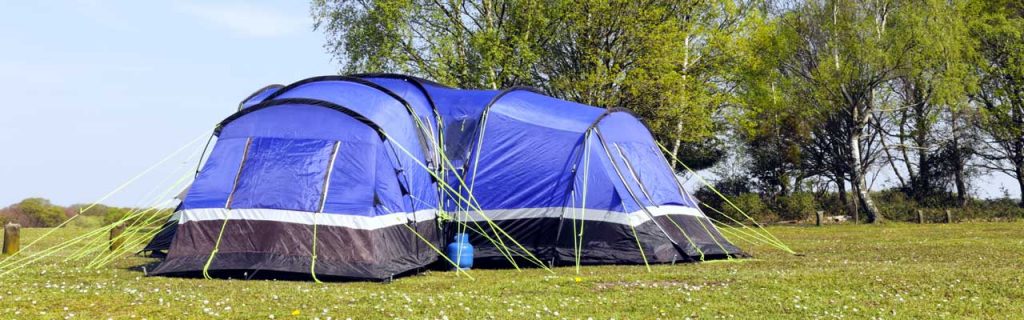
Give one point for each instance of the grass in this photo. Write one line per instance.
(968, 270)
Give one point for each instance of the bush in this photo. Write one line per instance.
(40, 212)
(728, 187)
(896, 205)
(97, 210)
(115, 214)
(796, 206)
(752, 205)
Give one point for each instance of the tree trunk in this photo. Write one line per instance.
(841, 187)
(958, 165)
(679, 125)
(859, 184)
(675, 146)
(1019, 171)
(922, 187)
(961, 185)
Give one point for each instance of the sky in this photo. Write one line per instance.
(96, 92)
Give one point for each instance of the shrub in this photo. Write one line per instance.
(753, 206)
(896, 205)
(98, 210)
(112, 215)
(40, 212)
(796, 206)
(728, 187)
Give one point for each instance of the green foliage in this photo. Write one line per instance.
(40, 212)
(660, 59)
(753, 206)
(796, 206)
(114, 214)
(98, 210)
(897, 206)
(1001, 95)
(813, 90)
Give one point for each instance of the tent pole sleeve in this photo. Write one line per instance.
(618, 172)
(227, 213)
(636, 177)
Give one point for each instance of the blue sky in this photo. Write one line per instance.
(97, 91)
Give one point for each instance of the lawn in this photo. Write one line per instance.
(967, 270)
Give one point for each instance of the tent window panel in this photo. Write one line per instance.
(650, 169)
(283, 174)
(350, 190)
(387, 185)
(601, 192)
(213, 184)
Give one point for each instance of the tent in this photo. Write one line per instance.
(578, 184)
(308, 180)
(346, 175)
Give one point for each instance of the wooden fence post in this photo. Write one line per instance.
(920, 216)
(12, 238)
(949, 216)
(116, 240)
(817, 218)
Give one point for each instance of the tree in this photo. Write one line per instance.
(770, 124)
(660, 59)
(933, 84)
(1000, 32)
(40, 212)
(840, 55)
(476, 44)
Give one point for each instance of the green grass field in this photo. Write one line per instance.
(968, 270)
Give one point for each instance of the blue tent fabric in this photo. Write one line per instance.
(360, 158)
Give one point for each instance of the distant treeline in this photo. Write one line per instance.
(40, 212)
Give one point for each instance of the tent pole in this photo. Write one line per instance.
(618, 172)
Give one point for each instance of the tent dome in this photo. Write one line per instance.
(346, 176)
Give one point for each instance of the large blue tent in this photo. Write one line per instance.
(346, 176)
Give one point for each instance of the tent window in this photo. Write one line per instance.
(283, 174)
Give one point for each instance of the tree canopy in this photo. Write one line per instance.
(813, 96)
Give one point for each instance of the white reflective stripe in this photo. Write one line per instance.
(302, 217)
(634, 218)
(175, 217)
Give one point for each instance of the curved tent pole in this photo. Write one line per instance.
(615, 166)
(643, 189)
(480, 128)
(304, 101)
(438, 119)
(572, 197)
(419, 84)
(576, 163)
(423, 133)
(257, 92)
(199, 163)
(400, 77)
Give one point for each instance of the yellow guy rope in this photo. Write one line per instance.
(708, 184)
(111, 193)
(473, 205)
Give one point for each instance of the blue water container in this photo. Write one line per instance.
(461, 252)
